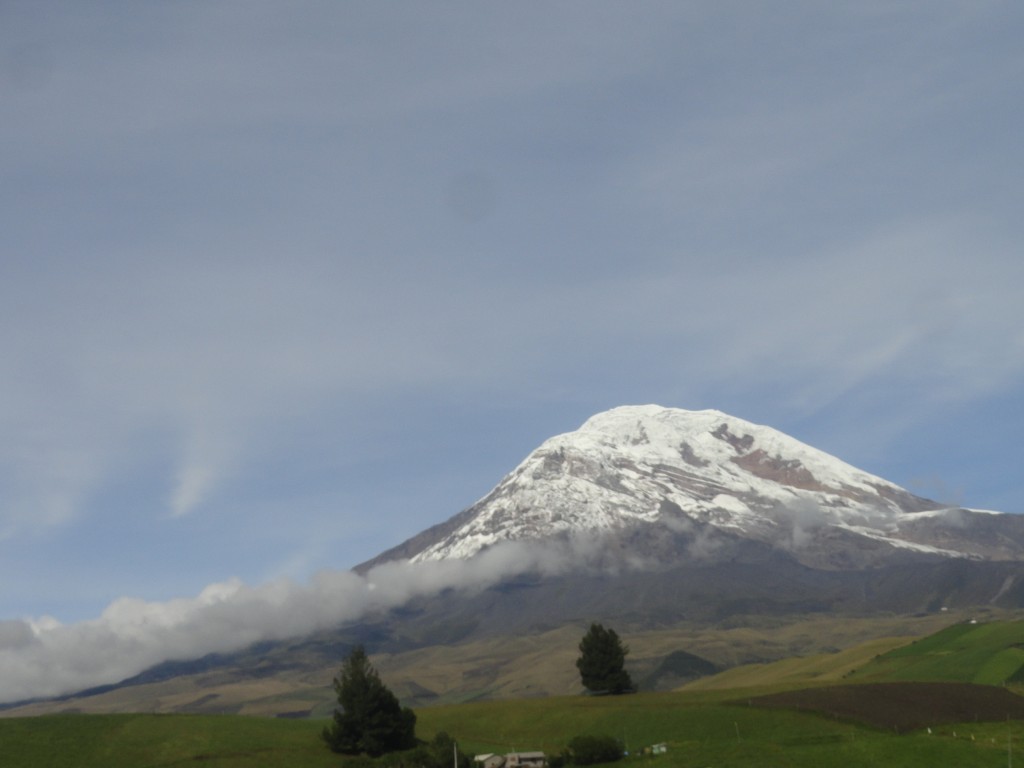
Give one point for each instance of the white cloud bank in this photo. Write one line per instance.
(43, 658)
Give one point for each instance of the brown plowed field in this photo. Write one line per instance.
(903, 706)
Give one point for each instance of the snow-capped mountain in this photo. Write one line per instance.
(652, 518)
(705, 473)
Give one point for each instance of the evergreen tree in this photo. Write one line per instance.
(370, 719)
(602, 660)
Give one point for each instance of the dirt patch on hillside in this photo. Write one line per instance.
(787, 472)
(903, 706)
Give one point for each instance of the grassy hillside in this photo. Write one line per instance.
(986, 653)
(715, 722)
(799, 671)
(699, 729)
(291, 680)
(135, 741)
(707, 730)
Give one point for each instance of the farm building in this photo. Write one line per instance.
(512, 760)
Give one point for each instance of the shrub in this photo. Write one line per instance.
(591, 750)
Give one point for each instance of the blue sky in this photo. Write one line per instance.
(284, 284)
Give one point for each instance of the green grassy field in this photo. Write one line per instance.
(701, 731)
(88, 741)
(698, 732)
(712, 724)
(987, 653)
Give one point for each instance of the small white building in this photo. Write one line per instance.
(512, 760)
(525, 760)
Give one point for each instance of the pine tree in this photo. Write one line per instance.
(370, 719)
(602, 660)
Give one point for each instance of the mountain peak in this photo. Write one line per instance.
(714, 436)
(654, 467)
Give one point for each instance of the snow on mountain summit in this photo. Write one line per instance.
(715, 436)
(650, 464)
